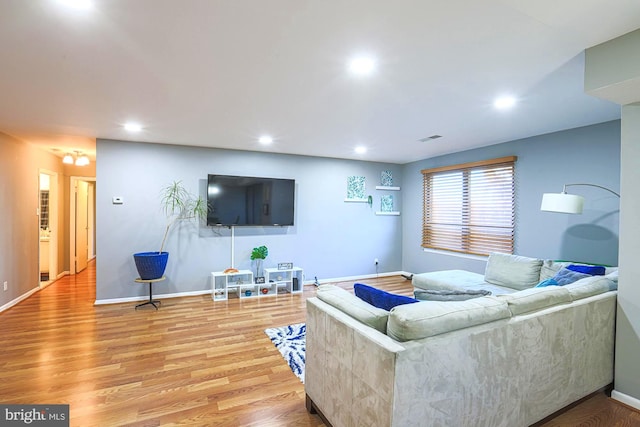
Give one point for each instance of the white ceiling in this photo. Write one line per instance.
(217, 73)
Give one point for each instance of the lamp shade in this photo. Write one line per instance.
(562, 202)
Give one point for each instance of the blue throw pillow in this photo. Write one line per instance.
(566, 276)
(592, 270)
(380, 298)
(548, 282)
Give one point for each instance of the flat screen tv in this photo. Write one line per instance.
(249, 201)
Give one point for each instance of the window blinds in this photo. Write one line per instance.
(470, 208)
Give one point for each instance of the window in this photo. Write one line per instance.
(470, 207)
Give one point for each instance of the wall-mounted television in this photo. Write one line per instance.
(250, 201)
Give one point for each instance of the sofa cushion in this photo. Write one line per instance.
(380, 298)
(550, 268)
(512, 271)
(447, 295)
(458, 280)
(535, 299)
(566, 276)
(426, 319)
(589, 286)
(592, 270)
(353, 306)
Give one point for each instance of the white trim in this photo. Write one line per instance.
(19, 299)
(456, 254)
(155, 296)
(626, 399)
(360, 277)
(208, 291)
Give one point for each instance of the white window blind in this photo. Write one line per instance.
(470, 208)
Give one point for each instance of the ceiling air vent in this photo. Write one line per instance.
(430, 138)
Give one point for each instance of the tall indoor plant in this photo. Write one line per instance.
(178, 205)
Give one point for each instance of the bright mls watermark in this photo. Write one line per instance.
(34, 415)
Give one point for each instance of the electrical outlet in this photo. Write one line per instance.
(6, 285)
(375, 261)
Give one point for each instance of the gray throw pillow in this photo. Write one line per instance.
(448, 295)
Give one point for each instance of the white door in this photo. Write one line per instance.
(82, 226)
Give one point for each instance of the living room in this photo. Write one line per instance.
(331, 239)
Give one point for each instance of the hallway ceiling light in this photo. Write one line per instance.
(80, 159)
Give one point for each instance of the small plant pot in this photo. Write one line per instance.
(151, 265)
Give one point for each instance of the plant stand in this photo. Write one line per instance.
(151, 282)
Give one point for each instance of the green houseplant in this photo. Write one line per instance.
(258, 255)
(178, 205)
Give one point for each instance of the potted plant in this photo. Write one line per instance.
(178, 205)
(258, 255)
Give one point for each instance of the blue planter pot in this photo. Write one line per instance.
(151, 265)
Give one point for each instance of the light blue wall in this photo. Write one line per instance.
(589, 154)
(330, 239)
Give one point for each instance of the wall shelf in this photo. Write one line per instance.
(357, 200)
(387, 188)
(392, 213)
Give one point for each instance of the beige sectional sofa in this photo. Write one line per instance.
(507, 360)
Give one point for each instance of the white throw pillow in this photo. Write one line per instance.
(512, 271)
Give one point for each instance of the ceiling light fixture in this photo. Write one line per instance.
(362, 65)
(77, 4)
(504, 102)
(361, 149)
(265, 139)
(132, 127)
(80, 159)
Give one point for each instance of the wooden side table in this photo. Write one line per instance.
(151, 282)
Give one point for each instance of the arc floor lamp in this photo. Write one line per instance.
(567, 203)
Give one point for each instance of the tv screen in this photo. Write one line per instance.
(249, 201)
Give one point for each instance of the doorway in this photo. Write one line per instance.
(82, 223)
(48, 227)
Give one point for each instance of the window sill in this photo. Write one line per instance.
(456, 254)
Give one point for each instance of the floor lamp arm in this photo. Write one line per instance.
(564, 190)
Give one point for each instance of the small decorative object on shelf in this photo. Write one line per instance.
(265, 290)
(386, 179)
(247, 293)
(285, 265)
(258, 255)
(386, 203)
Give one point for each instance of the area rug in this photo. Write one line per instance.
(290, 341)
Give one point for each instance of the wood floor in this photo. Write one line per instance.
(192, 362)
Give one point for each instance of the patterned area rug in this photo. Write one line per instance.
(290, 341)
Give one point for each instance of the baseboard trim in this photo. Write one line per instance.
(359, 277)
(208, 291)
(155, 296)
(19, 299)
(626, 399)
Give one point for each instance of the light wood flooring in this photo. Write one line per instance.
(192, 362)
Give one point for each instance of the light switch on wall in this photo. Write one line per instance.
(116, 200)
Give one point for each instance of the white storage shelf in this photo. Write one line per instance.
(243, 284)
(291, 279)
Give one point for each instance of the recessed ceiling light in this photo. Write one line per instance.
(132, 127)
(504, 102)
(77, 4)
(360, 149)
(362, 65)
(265, 139)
